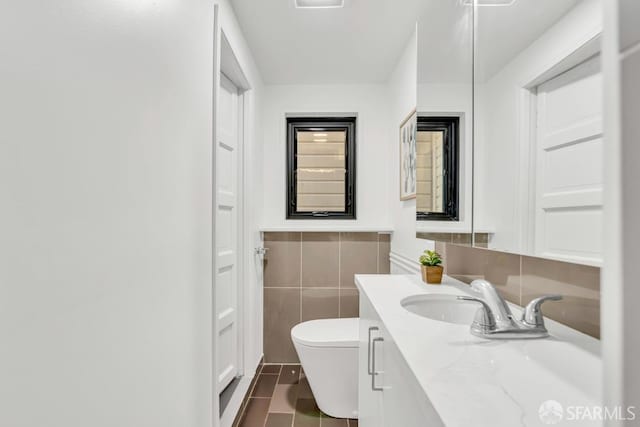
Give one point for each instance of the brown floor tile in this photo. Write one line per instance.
(284, 398)
(256, 413)
(236, 421)
(328, 421)
(271, 369)
(353, 423)
(290, 374)
(304, 391)
(279, 420)
(265, 386)
(307, 414)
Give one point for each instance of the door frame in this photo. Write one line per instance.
(527, 134)
(227, 64)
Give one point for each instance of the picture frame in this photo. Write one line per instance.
(407, 140)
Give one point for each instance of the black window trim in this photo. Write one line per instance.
(320, 124)
(449, 125)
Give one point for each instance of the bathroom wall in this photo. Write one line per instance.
(402, 95)
(369, 103)
(621, 293)
(105, 176)
(520, 279)
(310, 276)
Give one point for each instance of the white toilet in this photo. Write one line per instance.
(328, 352)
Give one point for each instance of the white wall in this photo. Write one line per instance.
(372, 164)
(620, 291)
(105, 176)
(500, 139)
(402, 96)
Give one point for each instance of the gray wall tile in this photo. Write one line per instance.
(358, 255)
(281, 313)
(578, 284)
(320, 260)
(501, 269)
(384, 249)
(349, 303)
(282, 261)
(520, 279)
(320, 304)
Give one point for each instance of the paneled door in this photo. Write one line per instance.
(226, 233)
(569, 163)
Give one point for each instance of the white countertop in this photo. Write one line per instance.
(474, 382)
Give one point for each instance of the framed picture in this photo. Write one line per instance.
(408, 157)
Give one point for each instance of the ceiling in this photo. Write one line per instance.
(503, 32)
(362, 42)
(359, 43)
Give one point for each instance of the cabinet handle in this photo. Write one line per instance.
(373, 363)
(369, 368)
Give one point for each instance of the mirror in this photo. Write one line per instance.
(538, 128)
(444, 130)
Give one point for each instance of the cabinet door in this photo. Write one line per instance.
(404, 401)
(369, 400)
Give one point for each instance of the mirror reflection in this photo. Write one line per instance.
(437, 168)
(429, 171)
(538, 128)
(444, 104)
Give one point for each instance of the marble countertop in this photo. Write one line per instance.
(472, 381)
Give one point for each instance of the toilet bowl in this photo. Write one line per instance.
(328, 352)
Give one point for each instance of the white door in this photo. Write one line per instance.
(226, 237)
(569, 162)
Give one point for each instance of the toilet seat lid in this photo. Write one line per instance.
(327, 333)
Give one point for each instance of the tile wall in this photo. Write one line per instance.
(310, 276)
(521, 278)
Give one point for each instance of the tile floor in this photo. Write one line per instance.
(280, 397)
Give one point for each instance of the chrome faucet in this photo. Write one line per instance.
(494, 319)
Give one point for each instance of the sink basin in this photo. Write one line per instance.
(445, 308)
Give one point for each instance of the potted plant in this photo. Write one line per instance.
(431, 267)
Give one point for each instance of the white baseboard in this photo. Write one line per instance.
(400, 264)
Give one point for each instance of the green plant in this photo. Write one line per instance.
(430, 258)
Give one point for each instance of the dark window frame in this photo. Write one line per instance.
(320, 124)
(450, 126)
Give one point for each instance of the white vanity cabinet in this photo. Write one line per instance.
(388, 393)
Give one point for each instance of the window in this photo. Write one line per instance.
(321, 168)
(437, 168)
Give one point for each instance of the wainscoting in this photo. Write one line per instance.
(310, 276)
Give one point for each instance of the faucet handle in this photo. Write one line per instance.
(532, 315)
(484, 320)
